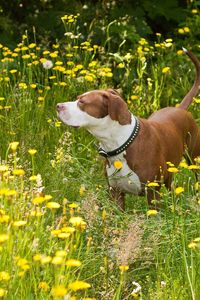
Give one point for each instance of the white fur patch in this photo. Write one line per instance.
(124, 179)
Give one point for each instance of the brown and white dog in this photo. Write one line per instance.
(143, 146)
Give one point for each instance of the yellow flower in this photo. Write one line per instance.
(38, 200)
(4, 276)
(82, 190)
(134, 97)
(78, 285)
(179, 190)
(73, 205)
(13, 71)
(123, 268)
(192, 245)
(3, 237)
(37, 257)
(197, 240)
(186, 29)
(152, 212)
(33, 85)
(172, 170)
(18, 172)
(120, 65)
(45, 259)
(32, 45)
(194, 11)
(118, 164)
(196, 186)
(194, 167)
(183, 165)
(57, 260)
(19, 223)
(77, 221)
(181, 31)
(59, 291)
(63, 235)
(165, 70)
(2, 292)
(32, 151)
(179, 52)
(53, 205)
(152, 184)
(43, 286)
(73, 263)
(41, 98)
(33, 178)
(61, 253)
(13, 146)
(89, 78)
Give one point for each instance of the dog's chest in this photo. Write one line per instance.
(124, 178)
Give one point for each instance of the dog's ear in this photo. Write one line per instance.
(117, 107)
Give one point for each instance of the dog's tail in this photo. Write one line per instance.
(187, 100)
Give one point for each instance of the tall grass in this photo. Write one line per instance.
(60, 235)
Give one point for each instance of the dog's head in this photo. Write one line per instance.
(92, 107)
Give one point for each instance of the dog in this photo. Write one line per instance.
(143, 146)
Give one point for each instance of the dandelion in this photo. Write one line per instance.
(165, 70)
(2, 292)
(38, 200)
(172, 170)
(180, 52)
(59, 291)
(33, 85)
(53, 205)
(32, 151)
(18, 172)
(179, 190)
(197, 240)
(61, 253)
(43, 286)
(47, 64)
(152, 184)
(13, 146)
(19, 223)
(194, 167)
(45, 260)
(73, 263)
(118, 164)
(77, 221)
(192, 245)
(4, 276)
(13, 71)
(123, 268)
(57, 260)
(63, 235)
(78, 285)
(3, 237)
(82, 190)
(152, 212)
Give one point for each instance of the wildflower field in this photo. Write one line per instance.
(60, 235)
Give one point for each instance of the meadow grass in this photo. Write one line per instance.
(60, 235)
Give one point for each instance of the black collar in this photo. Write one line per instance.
(124, 146)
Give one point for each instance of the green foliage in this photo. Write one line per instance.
(42, 191)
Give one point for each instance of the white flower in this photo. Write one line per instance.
(137, 288)
(47, 64)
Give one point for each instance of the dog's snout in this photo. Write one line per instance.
(60, 107)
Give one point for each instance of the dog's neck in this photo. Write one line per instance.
(111, 134)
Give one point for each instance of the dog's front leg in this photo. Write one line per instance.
(118, 197)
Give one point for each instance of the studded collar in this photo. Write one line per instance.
(124, 146)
